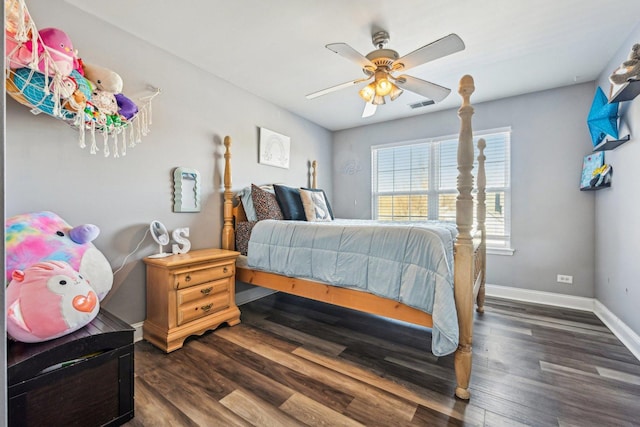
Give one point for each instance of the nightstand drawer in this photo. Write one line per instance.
(195, 277)
(203, 307)
(186, 296)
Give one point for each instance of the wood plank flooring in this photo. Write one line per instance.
(295, 362)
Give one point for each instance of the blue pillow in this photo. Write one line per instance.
(326, 199)
(290, 202)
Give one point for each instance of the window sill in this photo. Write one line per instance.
(500, 251)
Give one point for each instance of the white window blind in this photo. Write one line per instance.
(416, 181)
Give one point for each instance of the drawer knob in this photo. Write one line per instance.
(207, 307)
(188, 278)
(206, 291)
(225, 269)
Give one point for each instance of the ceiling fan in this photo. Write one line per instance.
(381, 65)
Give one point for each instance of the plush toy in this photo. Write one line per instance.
(32, 86)
(29, 85)
(15, 93)
(630, 69)
(19, 28)
(77, 100)
(103, 78)
(44, 236)
(48, 300)
(16, 18)
(104, 101)
(58, 46)
(78, 65)
(126, 107)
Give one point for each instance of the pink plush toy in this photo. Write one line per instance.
(44, 236)
(48, 300)
(57, 43)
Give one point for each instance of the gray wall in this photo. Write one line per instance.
(552, 221)
(46, 170)
(617, 275)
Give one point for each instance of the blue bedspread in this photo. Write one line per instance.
(410, 262)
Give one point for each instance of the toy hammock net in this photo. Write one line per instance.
(44, 73)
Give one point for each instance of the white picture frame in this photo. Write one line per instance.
(274, 149)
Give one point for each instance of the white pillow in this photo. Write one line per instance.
(315, 206)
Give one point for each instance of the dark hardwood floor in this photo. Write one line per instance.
(297, 362)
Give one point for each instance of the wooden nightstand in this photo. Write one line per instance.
(188, 294)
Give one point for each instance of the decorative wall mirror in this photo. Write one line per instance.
(186, 190)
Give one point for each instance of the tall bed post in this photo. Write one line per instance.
(228, 233)
(464, 262)
(481, 216)
(314, 174)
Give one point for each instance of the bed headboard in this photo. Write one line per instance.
(233, 209)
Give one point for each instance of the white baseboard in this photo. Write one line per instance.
(137, 334)
(540, 297)
(630, 339)
(625, 334)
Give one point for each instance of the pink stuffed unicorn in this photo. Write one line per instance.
(44, 236)
(48, 300)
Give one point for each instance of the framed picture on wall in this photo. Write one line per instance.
(589, 164)
(274, 148)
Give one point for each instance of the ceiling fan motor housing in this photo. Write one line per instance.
(382, 58)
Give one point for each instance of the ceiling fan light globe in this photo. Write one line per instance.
(383, 87)
(368, 92)
(395, 92)
(378, 100)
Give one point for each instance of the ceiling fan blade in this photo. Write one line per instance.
(351, 54)
(369, 109)
(422, 87)
(437, 49)
(336, 87)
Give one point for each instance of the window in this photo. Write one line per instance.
(416, 181)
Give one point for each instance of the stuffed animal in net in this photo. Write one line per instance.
(31, 238)
(50, 53)
(48, 300)
(103, 78)
(629, 70)
(72, 94)
(110, 82)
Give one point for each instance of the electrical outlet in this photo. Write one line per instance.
(563, 278)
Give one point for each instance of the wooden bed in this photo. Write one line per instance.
(469, 253)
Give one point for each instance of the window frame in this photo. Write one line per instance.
(500, 245)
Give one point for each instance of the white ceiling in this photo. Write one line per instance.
(275, 48)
